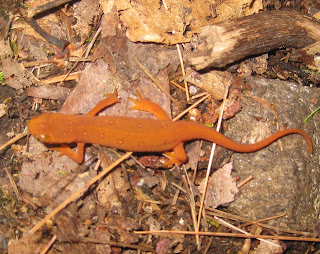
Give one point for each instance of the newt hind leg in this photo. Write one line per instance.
(178, 156)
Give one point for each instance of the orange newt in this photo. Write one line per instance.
(135, 134)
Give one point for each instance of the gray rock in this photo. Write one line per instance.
(284, 181)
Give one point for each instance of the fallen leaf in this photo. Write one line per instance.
(221, 187)
(3, 108)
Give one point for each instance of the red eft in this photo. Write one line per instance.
(135, 134)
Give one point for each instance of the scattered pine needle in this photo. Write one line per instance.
(183, 73)
(191, 107)
(245, 181)
(221, 234)
(210, 161)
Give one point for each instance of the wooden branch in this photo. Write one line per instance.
(232, 40)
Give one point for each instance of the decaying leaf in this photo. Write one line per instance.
(171, 18)
(231, 9)
(214, 82)
(221, 187)
(3, 108)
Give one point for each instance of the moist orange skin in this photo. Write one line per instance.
(135, 134)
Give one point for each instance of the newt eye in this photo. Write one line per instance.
(44, 138)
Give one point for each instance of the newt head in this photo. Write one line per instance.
(39, 127)
(48, 129)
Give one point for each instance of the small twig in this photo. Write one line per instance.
(165, 4)
(221, 221)
(192, 203)
(177, 193)
(61, 78)
(92, 42)
(183, 73)
(210, 161)
(45, 7)
(177, 85)
(221, 234)
(85, 53)
(53, 239)
(206, 250)
(61, 44)
(244, 181)
(13, 140)
(157, 83)
(191, 107)
(14, 186)
(213, 212)
(146, 248)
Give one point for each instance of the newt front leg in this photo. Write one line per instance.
(78, 156)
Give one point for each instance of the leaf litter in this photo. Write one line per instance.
(130, 198)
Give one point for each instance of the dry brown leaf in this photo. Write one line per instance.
(155, 21)
(231, 9)
(149, 21)
(16, 76)
(3, 108)
(221, 187)
(214, 82)
(5, 50)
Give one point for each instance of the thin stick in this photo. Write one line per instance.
(221, 221)
(210, 162)
(78, 193)
(177, 85)
(191, 107)
(212, 211)
(157, 83)
(85, 53)
(45, 7)
(53, 239)
(192, 203)
(244, 181)
(183, 73)
(92, 42)
(13, 183)
(220, 234)
(13, 140)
